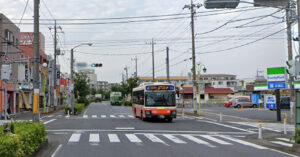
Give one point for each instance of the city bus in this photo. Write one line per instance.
(116, 98)
(154, 100)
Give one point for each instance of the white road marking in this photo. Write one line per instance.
(285, 139)
(56, 151)
(194, 139)
(228, 126)
(49, 121)
(113, 138)
(50, 116)
(85, 116)
(153, 138)
(112, 116)
(124, 128)
(215, 140)
(130, 116)
(173, 138)
(103, 116)
(121, 116)
(94, 116)
(94, 138)
(282, 143)
(243, 142)
(133, 138)
(75, 138)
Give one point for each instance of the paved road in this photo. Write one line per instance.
(250, 113)
(103, 130)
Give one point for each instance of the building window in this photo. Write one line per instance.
(211, 97)
(220, 83)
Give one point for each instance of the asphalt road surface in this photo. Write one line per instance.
(112, 131)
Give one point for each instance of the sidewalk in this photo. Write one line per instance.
(27, 115)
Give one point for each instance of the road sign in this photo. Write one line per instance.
(296, 85)
(277, 78)
(81, 64)
(274, 3)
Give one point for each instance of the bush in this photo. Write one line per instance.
(83, 100)
(27, 138)
(77, 108)
(297, 136)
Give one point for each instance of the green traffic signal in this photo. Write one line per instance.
(96, 65)
(93, 65)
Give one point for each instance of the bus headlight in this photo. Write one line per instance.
(173, 113)
(148, 112)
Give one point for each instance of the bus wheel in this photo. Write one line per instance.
(170, 120)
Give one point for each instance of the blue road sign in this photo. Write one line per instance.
(277, 85)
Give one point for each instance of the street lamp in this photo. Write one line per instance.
(72, 64)
(200, 67)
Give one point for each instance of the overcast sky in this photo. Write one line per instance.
(225, 40)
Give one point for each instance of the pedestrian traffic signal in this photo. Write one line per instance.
(293, 69)
(97, 65)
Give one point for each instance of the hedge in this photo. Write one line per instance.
(27, 138)
(77, 108)
(127, 103)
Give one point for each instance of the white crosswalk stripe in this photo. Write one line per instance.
(153, 138)
(173, 138)
(85, 116)
(103, 116)
(94, 116)
(75, 138)
(215, 140)
(130, 116)
(243, 142)
(113, 138)
(112, 116)
(133, 138)
(121, 116)
(94, 138)
(197, 140)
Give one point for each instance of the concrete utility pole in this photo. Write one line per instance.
(36, 62)
(54, 67)
(153, 70)
(135, 59)
(290, 57)
(126, 70)
(297, 106)
(191, 7)
(168, 66)
(71, 80)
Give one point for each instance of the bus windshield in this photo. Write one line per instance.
(116, 98)
(165, 98)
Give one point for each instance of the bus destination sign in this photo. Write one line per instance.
(160, 87)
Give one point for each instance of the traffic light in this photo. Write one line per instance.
(97, 65)
(58, 75)
(220, 4)
(293, 67)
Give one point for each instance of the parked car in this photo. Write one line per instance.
(243, 101)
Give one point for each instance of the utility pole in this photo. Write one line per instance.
(153, 70)
(136, 67)
(36, 61)
(297, 106)
(290, 57)
(191, 7)
(168, 66)
(126, 70)
(54, 67)
(71, 80)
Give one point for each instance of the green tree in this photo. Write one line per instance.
(81, 85)
(94, 91)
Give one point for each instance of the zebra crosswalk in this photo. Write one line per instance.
(211, 141)
(120, 116)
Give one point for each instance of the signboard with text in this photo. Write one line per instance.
(277, 78)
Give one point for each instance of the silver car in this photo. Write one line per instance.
(245, 102)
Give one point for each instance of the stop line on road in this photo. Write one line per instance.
(211, 141)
